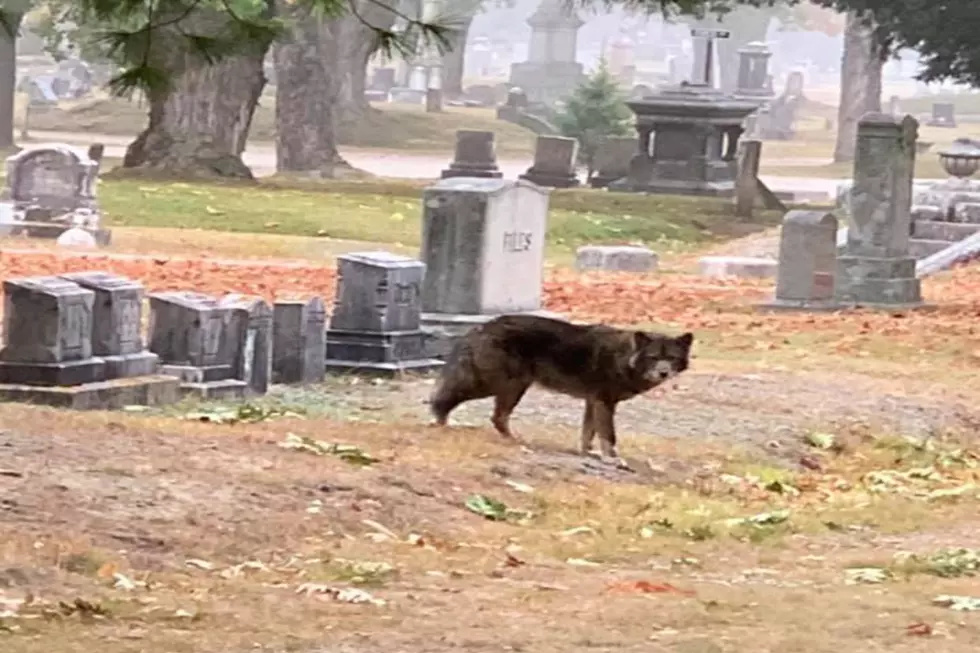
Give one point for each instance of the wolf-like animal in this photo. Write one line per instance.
(601, 364)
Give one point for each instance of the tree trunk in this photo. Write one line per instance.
(454, 61)
(358, 41)
(860, 88)
(199, 127)
(308, 90)
(8, 77)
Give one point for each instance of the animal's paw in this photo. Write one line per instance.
(621, 463)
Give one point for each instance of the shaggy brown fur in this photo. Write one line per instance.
(601, 364)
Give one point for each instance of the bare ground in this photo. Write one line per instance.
(224, 527)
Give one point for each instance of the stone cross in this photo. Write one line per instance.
(299, 346)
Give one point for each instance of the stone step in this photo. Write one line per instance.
(936, 230)
(922, 247)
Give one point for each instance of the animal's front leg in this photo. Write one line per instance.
(605, 424)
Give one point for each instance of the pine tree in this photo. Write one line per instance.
(595, 110)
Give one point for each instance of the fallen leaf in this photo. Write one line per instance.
(646, 587)
(918, 628)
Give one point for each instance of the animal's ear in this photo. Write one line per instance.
(641, 340)
(685, 340)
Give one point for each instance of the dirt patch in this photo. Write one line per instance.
(767, 411)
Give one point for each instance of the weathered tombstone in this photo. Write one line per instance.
(299, 346)
(617, 258)
(747, 177)
(612, 160)
(375, 326)
(475, 156)
(555, 158)
(943, 115)
(48, 333)
(753, 71)
(251, 329)
(483, 247)
(117, 314)
(49, 324)
(193, 336)
(895, 105)
(54, 186)
(807, 260)
(876, 268)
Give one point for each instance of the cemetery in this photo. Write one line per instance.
(214, 428)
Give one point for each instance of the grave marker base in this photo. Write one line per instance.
(70, 373)
(442, 330)
(125, 366)
(226, 389)
(419, 366)
(549, 180)
(384, 353)
(154, 390)
(208, 382)
(103, 237)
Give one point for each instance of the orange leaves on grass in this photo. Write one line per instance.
(158, 274)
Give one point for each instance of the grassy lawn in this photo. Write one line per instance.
(389, 212)
(391, 127)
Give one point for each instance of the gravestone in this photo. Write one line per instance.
(483, 247)
(193, 336)
(475, 156)
(376, 321)
(48, 358)
(299, 345)
(555, 159)
(807, 261)
(53, 187)
(617, 258)
(48, 333)
(943, 115)
(612, 160)
(251, 331)
(876, 268)
(117, 315)
(754, 79)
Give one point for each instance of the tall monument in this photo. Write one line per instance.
(551, 71)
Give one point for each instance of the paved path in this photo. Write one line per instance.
(261, 158)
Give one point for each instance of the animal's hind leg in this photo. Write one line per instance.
(588, 428)
(505, 402)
